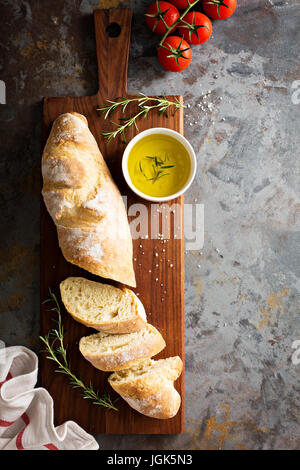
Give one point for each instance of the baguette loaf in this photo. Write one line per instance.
(84, 202)
(148, 386)
(115, 352)
(102, 306)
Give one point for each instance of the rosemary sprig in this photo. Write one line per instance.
(157, 167)
(144, 103)
(57, 352)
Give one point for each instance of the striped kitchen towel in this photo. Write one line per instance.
(26, 413)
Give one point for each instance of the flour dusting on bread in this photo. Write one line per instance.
(56, 203)
(87, 242)
(66, 131)
(148, 386)
(119, 351)
(85, 203)
(96, 203)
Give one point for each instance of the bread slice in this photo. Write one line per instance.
(148, 386)
(115, 352)
(102, 306)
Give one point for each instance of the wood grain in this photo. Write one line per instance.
(160, 288)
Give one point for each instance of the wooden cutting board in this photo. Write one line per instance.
(160, 288)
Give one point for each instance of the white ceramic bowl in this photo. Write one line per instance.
(175, 135)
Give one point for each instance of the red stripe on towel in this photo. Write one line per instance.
(26, 420)
(19, 440)
(51, 447)
(5, 424)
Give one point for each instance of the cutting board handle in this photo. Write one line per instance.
(112, 30)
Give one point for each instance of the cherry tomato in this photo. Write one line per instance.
(195, 27)
(181, 4)
(219, 9)
(159, 15)
(175, 54)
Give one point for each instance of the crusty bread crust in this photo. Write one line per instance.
(152, 393)
(149, 343)
(84, 202)
(135, 320)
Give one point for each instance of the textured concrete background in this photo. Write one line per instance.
(242, 289)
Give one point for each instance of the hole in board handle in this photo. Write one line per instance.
(113, 30)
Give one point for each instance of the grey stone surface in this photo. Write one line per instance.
(242, 288)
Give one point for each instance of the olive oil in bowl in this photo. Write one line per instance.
(158, 164)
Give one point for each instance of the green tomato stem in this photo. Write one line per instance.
(176, 22)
